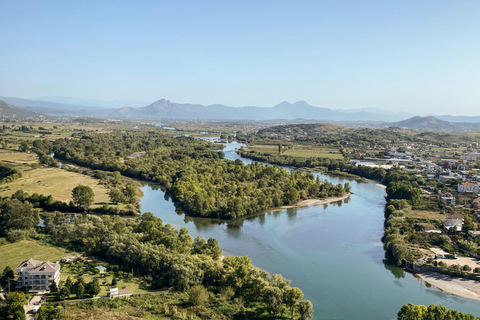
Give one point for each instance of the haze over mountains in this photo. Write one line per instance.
(167, 110)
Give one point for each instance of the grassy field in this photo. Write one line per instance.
(427, 215)
(14, 158)
(56, 182)
(133, 285)
(298, 151)
(14, 253)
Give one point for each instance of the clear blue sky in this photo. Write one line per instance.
(420, 56)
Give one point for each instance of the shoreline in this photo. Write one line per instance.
(465, 288)
(315, 202)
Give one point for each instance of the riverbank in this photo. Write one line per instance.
(461, 287)
(315, 202)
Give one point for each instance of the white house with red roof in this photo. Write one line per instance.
(37, 275)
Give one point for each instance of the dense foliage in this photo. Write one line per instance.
(194, 172)
(8, 174)
(171, 258)
(433, 312)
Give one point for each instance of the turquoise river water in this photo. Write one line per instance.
(332, 252)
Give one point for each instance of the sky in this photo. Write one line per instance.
(413, 56)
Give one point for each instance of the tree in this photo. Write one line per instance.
(83, 196)
(273, 299)
(64, 292)
(12, 305)
(114, 282)
(93, 287)
(116, 195)
(305, 309)
(293, 296)
(7, 274)
(54, 287)
(197, 295)
(411, 312)
(130, 193)
(24, 146)
(80, 290)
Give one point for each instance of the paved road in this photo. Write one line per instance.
(29, 307)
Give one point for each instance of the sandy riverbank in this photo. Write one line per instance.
(465, 288)
(315, 202)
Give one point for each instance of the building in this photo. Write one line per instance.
(476, 208)
(454, 220)
(446, 178)
(467, 187)
(447, 199)
(37, 275)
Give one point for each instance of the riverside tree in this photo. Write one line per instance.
(83, 196)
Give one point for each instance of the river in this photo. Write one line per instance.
(332, 252)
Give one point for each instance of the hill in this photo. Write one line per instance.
(9, 111)
(434, 124)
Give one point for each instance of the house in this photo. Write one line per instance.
(476, 208)
(37, 275)
(113, 292)
(454, 220)
(101, 269)
(467, 187)
(447, 199)
(445, 178)
(477, 200)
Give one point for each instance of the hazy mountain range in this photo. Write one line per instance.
(9, 111)
(301, 110)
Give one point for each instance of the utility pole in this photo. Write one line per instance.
(9, 284)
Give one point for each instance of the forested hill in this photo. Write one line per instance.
(193, 171)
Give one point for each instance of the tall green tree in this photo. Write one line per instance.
(293, 297)
(273, 299)
(6, 274)
(83, 196)
(305, 310)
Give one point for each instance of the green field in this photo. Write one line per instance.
(133, 285)
(14, 253)
(56, 182)
(298, 151)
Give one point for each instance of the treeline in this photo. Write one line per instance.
(435, 312)
(329, 134)
(193, 172)
(331, 165)
(172, 258)
(8, 173)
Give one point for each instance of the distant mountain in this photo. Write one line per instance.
(92, 103)
(434, 124)
(165, 109)
(57, 109)
(459, 118)
(9, 111)
(299, 111)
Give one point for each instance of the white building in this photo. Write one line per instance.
(37, 275)
(467, 187)
(454, 221)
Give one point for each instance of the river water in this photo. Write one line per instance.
(332, 252)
